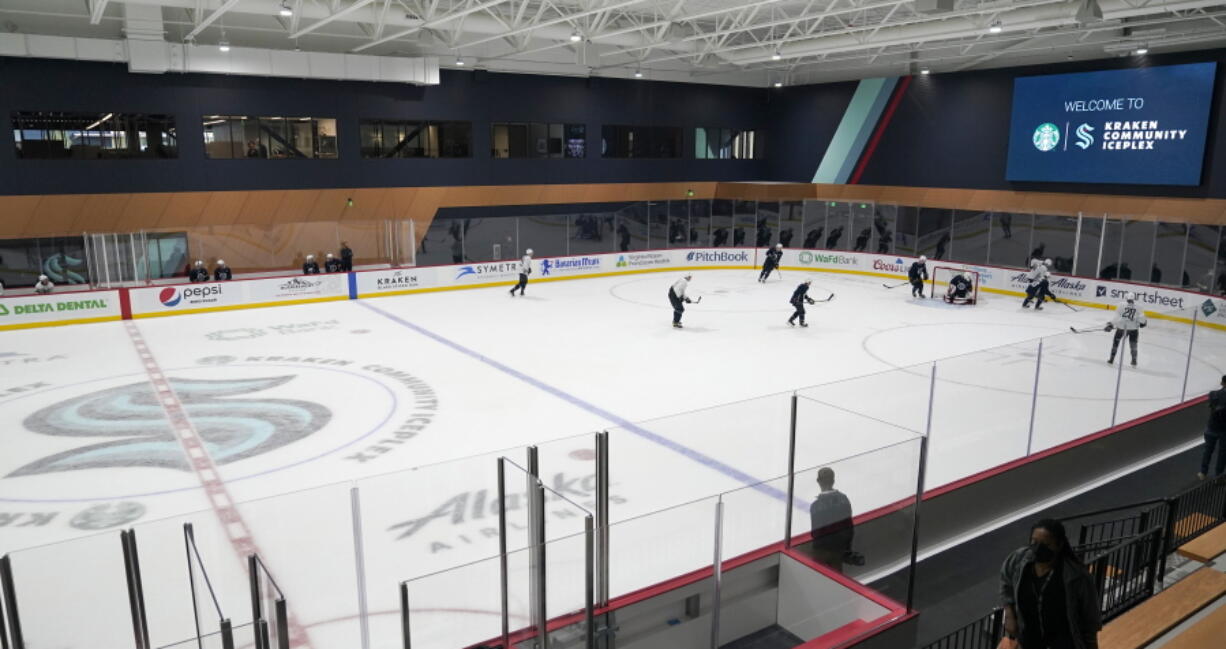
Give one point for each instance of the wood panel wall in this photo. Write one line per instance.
(70, 214)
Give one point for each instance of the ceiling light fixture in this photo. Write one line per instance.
(777, 55)
(778, 84)
(575, 37)
(638, 74)
(285, 10)
(996, 27)
(459, 61)
(1142, 51)
(223, 46)
(925, 71)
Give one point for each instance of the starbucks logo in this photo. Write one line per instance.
(1046, 137)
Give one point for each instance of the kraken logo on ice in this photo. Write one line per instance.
(131, 416)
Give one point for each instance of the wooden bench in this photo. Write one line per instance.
(1192, 523)
(1164, 611)
(1206, 546)
(1209, 632)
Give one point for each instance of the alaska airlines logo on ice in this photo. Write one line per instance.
(1046, 137)
(1084, 139)
(486, 269)
(898, 266)
(171, 297)
(717, 256)
(232, 429)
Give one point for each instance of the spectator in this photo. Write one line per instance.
(346, 257)
(44, 285)
(1214, 431)
(1048, 595)
(252, 150)
(199, 272)
(221, 272)
(331, 264)
(830, 515)
(310, 266)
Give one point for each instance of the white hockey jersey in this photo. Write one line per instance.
(679, 287)
(1128, 317)
(525, 265)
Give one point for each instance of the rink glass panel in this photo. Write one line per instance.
(631, 227)
(1200, 256)
(838, 226)
(1137, 253)
(657, 232)
(545, 235)
(907, 242)
(700, 224)
(1088, 248)
(490, 239)
(1170, 243)
(746, 213)
(935, 232)
(862, 237)
(1055, 238)
(791, 223)
(722, 223)
(1010, 245)
(767, 232)
(971, 233)
(679, 224)
(814, 230)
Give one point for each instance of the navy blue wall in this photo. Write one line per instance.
(952, 130)
(31, 84)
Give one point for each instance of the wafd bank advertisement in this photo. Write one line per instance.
(1143, 126)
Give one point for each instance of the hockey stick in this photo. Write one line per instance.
(697, 300)
(1084, 331)
(894, 286)
(1053, 299)
(825, 300)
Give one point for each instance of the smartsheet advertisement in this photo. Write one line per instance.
(1144, 126)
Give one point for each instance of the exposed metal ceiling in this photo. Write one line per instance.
(739, 42)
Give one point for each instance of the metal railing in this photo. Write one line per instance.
(984, 633)
(1127, 574)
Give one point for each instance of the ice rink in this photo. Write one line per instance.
(315, 399)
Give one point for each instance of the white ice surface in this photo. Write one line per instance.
(710, 402)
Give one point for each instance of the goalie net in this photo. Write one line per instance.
(941, 276)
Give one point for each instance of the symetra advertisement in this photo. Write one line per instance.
(1142, 126)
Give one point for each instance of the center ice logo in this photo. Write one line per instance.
(232, 429)
(170, 297)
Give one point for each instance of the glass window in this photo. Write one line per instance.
(555, 140)
(443, 243)
(640, 141)
(791, 222)
(745, 223)
(727, 144)
(1054, 238)
(1137, 253)
(678, 224)
(1087, 248)
(538, 140)
(1201, 250)
(414, 139)
(48, 135)
(546, 235)
(721, 222)
(658, 232)
(276, 137)
(590, 233)
(576, 140)
(906, 242)
(631, 227)
(971, 235)
(1010, 244)
(768, 224)
(862, 228)
(1113, 239)
(838, 222)
(1170, 241)
(814, 225)
(935, 227)
(700, 224)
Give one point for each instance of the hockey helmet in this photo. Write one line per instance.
(221, 262)
(310, 257)
(923, 258)
(1047, 262)
(779, 246)
(528, 251)
(42, 278)
(328, 256)
(199, 263)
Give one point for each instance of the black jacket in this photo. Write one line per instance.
(1080, 596)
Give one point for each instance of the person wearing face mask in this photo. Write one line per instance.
(1048, 595)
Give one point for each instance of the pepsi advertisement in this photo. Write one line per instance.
(1143, 126)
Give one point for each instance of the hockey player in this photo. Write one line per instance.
(199, 272)
(1036, 283)
(677, 297)
(221, 272)
(918, 274)
(799, 298)
(772, 262)
(44, 285)
(310, 267)
(1128, 319)
(959, 289)
(331, 264)
(525, 269)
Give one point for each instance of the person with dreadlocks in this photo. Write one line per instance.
(1049, 596)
